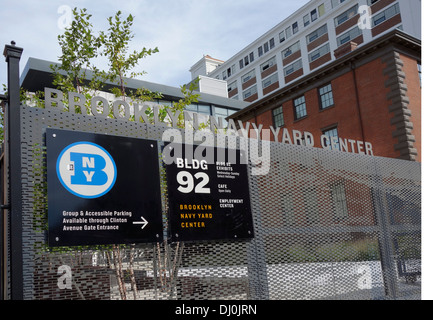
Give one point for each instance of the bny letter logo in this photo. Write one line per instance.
(86, 170)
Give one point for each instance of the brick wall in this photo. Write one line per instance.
(373, 83)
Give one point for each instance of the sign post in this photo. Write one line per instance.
(102, 189)
(13, 168)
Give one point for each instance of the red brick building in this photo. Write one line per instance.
(369, 100)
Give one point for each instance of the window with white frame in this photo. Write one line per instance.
(271, 43)
(320, 52)
(353, 11)
(260, 51)
(277, 116)
(386, 14)
(326, 96)
(291, 49)
(288, 32)
(348, 36)
(288, 209)
(317, 33)
(295, 27)
(300, 107)
(249, 92)
(270, 80)
(313, 14)
(250, 75)
(293, 67)
(272, 61)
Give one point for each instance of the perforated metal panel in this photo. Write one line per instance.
(328, 225)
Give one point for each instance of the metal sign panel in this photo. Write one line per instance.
(102, 189)
(208, 199)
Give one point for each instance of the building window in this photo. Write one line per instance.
(192, 107)
(331, 142)
(223, 113)
(288, 209)
(311, 205)
(348, 36)
(272, 61)
(282, 36)
(251, 56)
(419, 72)
(326, 97)
(200, 108)
(338, 195)
(295, 27)
(346, 15)
(290, 50)
(320, 52)
(248, 76)
(204, 108)
(246, 62)
(321, 10)
(232, 86)
(386, 14)
(271, 43)
(300, 108)
(293, 67)
(336, 3)
(270, 80)
(313, 15)
(249, 92)
(317, 33)
(288, 32)
(241, 64)
(306, 20)
(277, 115)
(260, 51)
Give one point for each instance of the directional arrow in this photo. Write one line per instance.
(144, 222)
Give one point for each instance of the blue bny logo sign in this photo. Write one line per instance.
(86, 170)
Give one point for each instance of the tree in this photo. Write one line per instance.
(79, 47)
(115, 48)
(77, 73)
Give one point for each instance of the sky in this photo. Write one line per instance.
(183, 30)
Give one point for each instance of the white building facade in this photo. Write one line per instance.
(316, 34)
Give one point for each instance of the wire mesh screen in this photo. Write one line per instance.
(328, 225)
